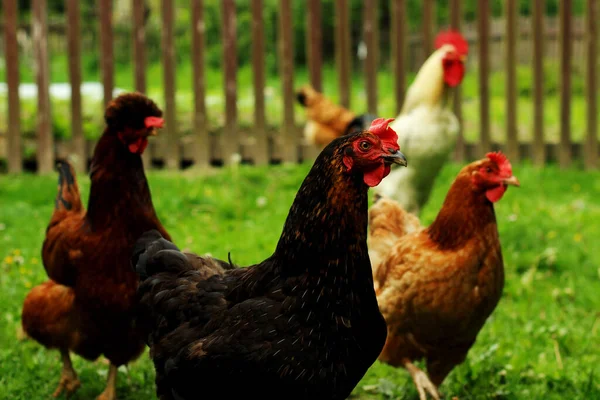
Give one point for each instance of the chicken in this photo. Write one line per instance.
(327, 120)
(427, 128)
(86, 306)
(437, 286)
(302, 324)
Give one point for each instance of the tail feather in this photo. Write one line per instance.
(68, 197)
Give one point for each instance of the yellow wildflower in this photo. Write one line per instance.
(8, 260)
(17, 252)
(578, 237)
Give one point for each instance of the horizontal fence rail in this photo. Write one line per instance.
(496, 44)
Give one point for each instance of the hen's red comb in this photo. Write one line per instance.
(387, 135)
(455, 39)
(501, 161)
(154, 122)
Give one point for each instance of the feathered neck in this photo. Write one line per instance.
(464, 214)
(119, 187)
(429, 87)
(326, 227)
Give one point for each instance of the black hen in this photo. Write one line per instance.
(302, 324)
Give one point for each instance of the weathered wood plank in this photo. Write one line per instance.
(483, 28)
(455, 21)
(286, 49)
(45, 142)
(13, 148)
(138, 32)
(314, 43)
(74, 47)
(169, 139)
(201, 155)
(398, 41)
(230, 142)
(566, 49)
(591, 153)
(427, 27)
(261, 150)
(342, 50)
(372, 57)
(512, 140)
(539, 148)
(106, 48)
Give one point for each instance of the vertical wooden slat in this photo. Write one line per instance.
(139, 43)
(342, 50)
(230, 145)
(398, 41)
(564, 155)
(314, 43)
(106, 48)
(371, 61)
(483, 28)
(73, 36)
(13, 149)
(539, 147)
(261, 150)
(591, 153)
(170, 140)
(202, 146)
(286, 49)
(428, 27)
(139, 60)
(45, 142)
(512, 143)
(455, 20)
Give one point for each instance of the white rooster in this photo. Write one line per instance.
(427, 128)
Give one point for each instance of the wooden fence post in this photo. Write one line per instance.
(342, 50)
(13, 148)
(483, 28)
(286, 56)
(539, 146)
(371, 60)
(398, 43)
(564, 150)
(230, 142)
(314, 44)
(45, 142)
(202, 146)
(261, 149)
(512, 141)
(591, 153)
(460, 150)
(74, 34)
(171, 140)
(106, 49)
(139, 61)
(427, 27)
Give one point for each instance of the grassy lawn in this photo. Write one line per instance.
(542, 342)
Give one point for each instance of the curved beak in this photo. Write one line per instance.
(513, 181)
(395, 157)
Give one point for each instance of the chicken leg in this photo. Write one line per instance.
(110, 393)
(68, 377)
(422, 381)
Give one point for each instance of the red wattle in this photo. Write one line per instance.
(496, 193)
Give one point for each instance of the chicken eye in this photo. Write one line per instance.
(364, 145)
(488, 170)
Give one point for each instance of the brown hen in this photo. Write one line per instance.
(437, 286)
(87, 305)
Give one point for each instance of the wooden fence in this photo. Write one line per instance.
(261, 144)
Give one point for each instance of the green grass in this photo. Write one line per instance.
(550, 307)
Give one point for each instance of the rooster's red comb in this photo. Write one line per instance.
(455, 39)
(386, 134)
(501, 161)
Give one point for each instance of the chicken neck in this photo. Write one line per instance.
(119, 189)
(464, 214)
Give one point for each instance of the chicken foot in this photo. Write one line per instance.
(68, 377)
(422, 381)
(110, 392)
